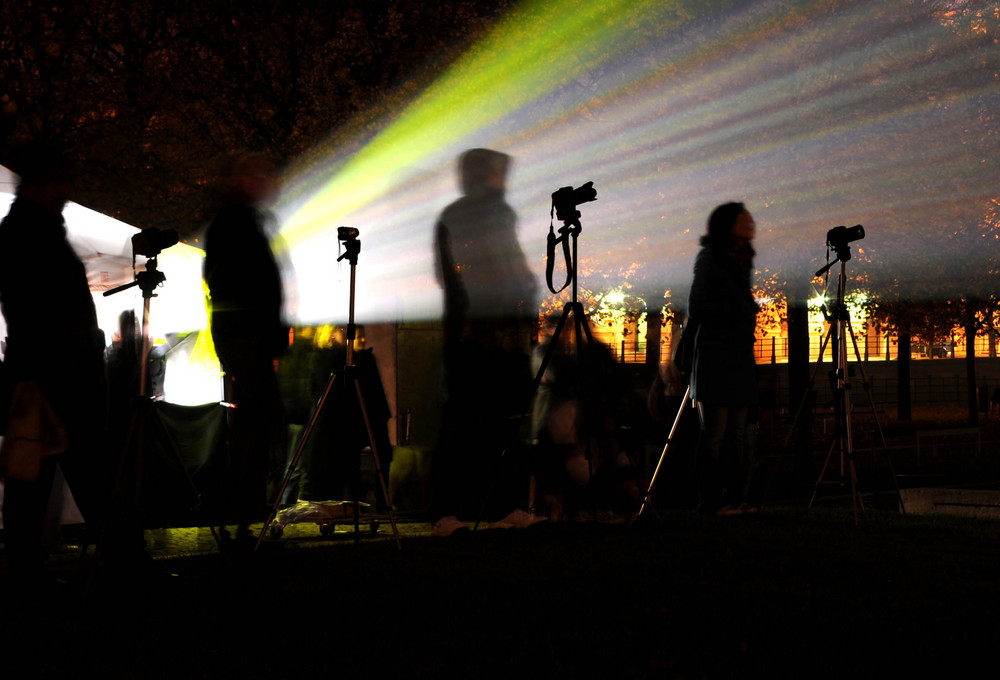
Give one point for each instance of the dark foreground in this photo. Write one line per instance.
(784, 593)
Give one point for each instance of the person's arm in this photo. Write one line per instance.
(705, 302)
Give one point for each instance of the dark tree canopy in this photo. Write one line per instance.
(151, 98)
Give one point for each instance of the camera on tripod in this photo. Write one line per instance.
(352, 246)
(151, 242)
(347, 233)
(566, 199)
(838, 237)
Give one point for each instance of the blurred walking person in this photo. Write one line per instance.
(490, 317)
(247, 298)
(55, 364)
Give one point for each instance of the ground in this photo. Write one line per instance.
(786, 592)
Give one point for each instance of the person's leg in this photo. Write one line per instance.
(24, 506)
(258, 409)
(733, 460)
(709, 463)
(503, 470)
(253, 390)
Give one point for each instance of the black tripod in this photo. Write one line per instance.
(565, 201)
(352, 246)
(648, 497)
(570, 230)
(840, 330)
(143, 410)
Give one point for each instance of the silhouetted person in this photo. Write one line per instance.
(55, 354)
(246, 292)
(123, 376)
(490, 313)
(581, 460)
(724, 374)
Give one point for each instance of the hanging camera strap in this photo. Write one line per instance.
(553, 241)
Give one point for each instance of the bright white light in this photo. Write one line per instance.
(103, 244)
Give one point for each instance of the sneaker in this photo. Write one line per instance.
(446, 526)
(518, 519)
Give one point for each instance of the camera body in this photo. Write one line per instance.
(151, 242)
(565, 200)
(838, 237)
(347, 233)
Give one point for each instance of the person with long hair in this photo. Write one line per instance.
(724, 374)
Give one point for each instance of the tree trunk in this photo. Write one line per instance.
(654, 328)
(798, 352)
(970, 365)
(903, 392)
(798, 379)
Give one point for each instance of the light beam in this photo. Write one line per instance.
(874, 113)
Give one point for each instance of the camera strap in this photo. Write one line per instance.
(553, 241)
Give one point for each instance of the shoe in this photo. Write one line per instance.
(728, 511)
(243, 542)
(446, 526)
(518, 519)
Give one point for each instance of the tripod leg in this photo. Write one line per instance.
(798, 414)
(670, 438)
(133, 427)
(134, 448)
(539, 375)
(583, 331)
(273, 512)
(822, 473)
(878, 423)
(812, 381)
(856, 500)
(378, 464)
(546, 358)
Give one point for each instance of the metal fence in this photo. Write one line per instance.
(930, 390)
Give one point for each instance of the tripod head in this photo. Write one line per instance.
(565, 201)
(564, 208)
(352, 246)
(147, 280)
(837, 240)
(149, 243)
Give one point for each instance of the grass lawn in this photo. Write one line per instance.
(785, 593)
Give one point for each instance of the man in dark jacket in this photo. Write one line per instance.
(244, 283)
(54, 350)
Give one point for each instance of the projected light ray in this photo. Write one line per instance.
(479, 92)
(870, 112)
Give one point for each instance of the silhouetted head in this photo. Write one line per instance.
(483, 168)
(729, 225)
(252, 179)
(46, 176)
